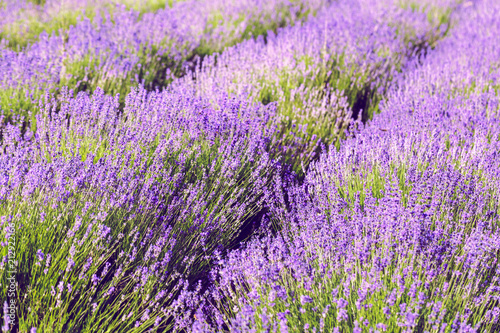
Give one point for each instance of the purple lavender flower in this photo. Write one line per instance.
(39, 254)
(305, 299)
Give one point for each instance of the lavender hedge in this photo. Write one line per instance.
(116, 49)
(115, 208)
(22, 21)
(325, 72)
(397, 229)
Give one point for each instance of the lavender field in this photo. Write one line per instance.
(250, 166)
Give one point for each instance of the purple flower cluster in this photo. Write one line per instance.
(396, 229)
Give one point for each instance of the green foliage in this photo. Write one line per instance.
(22, 33)
(147, 6)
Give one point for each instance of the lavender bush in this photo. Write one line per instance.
(394, 230)
(120, 48)
(325, 72)
(23, 21)
(123, 209)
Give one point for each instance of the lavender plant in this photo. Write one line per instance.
(394, 230)
(118, 50)
(323, 73)
(23, 21)
(117, 213)
(390, 264)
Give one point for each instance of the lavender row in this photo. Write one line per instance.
(326, 71)
(21, 22)
(116, 210)
(116, 50)
(397, 229)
